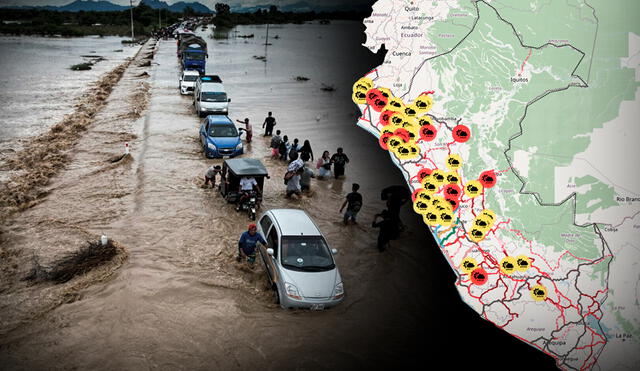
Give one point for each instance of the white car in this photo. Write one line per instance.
(209, 96)
(298, 261)
(188, 81)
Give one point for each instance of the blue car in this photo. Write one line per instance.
(220, 137)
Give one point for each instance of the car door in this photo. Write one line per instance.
(204, 129)
(271, 260)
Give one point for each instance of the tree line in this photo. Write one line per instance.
(50, 22)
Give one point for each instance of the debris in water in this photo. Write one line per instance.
(328, 87)
(245, 36)
(260, 58)
(302, 78)
(144, 74)
(76, 263)
(81, 66)
(118, 158)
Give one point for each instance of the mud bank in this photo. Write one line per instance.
(45, 172)
(44, 156)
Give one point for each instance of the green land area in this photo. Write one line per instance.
(559, 126)
(478, 73)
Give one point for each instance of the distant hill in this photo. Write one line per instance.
(106, 6)
(177, 7)
(91, 6)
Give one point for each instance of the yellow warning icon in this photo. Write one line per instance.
(476, 235)
(406, 151)
(440, 203)
(395, 104)
(468, 264)
(445, 218)
(452, 177)
(411, 110)
(397, 118)
(394, 142)
(488, 214)
(523, 263)
(454, 162)
(508, 265)
(428, 185)
(473, 188)
(424, 195)
(388, 129)
(425, 120)
(420, 206)
(430, 218)
(359, 97)
(364, 85)
(424, 103)
(539, 293)
(482, 222)
(437, 176)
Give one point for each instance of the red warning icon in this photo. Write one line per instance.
(428, 132)
(461, 133)
(423, 173)
(487, 178)
(478, 276)
(384, 138)
(376, 100)
(402, 133)
(414, 194)
(452, 191)
(384, 117)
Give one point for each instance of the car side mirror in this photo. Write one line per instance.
(229, 100)
(270, 251)
(334, 251)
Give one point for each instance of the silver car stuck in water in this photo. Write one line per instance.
(298, 261)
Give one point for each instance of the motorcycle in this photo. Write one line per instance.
(249, 203)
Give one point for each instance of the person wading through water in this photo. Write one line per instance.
(269, 122)
(339, 160)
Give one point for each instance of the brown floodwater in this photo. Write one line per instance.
(179, 301)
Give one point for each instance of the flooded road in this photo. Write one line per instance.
(179, 301)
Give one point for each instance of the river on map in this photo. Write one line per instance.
(180, 302)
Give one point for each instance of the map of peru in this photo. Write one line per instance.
(515, 124)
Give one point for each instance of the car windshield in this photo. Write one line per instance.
(214, 96)
(306, 253)
(223, 131)
(196, 56)
(190, 78)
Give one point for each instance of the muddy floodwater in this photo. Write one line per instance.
(37, 86)
(177, 299)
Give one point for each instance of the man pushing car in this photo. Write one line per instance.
(247, 244)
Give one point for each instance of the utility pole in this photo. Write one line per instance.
(131, 9)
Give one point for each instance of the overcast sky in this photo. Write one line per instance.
(209, 3)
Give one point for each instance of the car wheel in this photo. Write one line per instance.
(277, 300)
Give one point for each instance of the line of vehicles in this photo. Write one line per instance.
(297, 258)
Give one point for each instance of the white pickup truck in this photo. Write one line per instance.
(188, 81)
